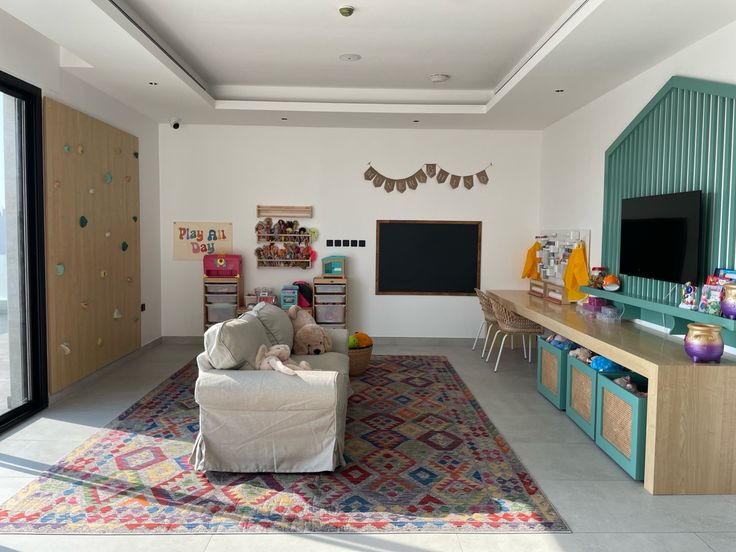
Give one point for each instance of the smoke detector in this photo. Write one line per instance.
(346, 11)
(351, 57)
(438, 77)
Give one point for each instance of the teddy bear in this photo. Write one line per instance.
(278, 358)
(309, 337)
(582, 354)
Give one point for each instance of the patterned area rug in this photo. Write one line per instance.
(422, 456)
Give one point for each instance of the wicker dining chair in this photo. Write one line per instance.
(510, 324)
(489, 319)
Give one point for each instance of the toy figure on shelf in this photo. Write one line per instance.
(710, 300)
(689, 297)
(597, 274)
(611, 282)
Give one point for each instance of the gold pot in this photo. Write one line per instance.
(703, 342)
(728, 303)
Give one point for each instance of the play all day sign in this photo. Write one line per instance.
(192, 240)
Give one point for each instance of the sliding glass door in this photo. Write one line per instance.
(23, 388)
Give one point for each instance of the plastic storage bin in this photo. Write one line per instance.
(581, 394)
(621, 421)
(329, 314)
(219, 312)
(329, 299)
(552, 373)
(330, 288)
(221, 288)
(221, 298)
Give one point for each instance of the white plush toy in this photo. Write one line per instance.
(278, 358)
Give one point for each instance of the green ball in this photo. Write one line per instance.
(352, 342)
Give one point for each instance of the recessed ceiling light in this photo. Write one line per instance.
(559, 90)
(350, 57)
(153, 83)
(439, 77)
(415, 121)
(346, 11)
(284, 119)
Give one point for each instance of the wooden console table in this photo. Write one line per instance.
(691, 408)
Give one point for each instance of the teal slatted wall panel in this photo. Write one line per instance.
(682, 141)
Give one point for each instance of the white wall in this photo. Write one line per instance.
(221, 173)
(30, 56)
(573, 149)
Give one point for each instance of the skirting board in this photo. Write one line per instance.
(56, 397)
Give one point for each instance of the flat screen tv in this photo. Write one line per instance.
(660, 237)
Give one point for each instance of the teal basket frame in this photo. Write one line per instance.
(634, 466)
(558, 400)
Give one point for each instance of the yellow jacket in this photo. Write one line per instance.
(530, 265)
(576, 274)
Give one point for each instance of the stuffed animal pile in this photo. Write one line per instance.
(278, 358)
(309, 337)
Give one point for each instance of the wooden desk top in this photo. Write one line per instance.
(631, 345)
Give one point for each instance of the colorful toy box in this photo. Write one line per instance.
(222, 266)
(289, 296)
(334, 267)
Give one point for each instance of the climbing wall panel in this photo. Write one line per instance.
(92, 243)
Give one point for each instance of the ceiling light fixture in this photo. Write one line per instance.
(559, 90)
(346, 11)
(351, 57)
(284, 119)
(415, 121)
(439, 77)
(152, 83)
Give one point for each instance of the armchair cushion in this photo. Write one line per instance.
(234, 344)
(276, 322)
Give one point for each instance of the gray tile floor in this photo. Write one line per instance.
(604, 508)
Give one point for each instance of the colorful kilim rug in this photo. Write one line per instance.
(422, 456)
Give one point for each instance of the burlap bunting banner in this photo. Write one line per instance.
(430, 170)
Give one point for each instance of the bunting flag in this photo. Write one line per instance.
(430, 170)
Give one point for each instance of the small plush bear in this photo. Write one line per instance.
(278, 358)
(309, 337)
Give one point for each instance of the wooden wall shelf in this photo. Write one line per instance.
(633, 306)
(290, 211)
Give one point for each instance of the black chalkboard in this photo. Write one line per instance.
(427, 257)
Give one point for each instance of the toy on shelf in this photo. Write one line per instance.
(597, 274)
(334, 267)
(728, 303)
(222, 266)
(283, 231)
(290, 255)
(710, 300)
(689, 297)
(611, 282)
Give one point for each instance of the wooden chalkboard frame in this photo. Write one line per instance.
(479, 226)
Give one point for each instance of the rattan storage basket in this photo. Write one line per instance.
(359, 359)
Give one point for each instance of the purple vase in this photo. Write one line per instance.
(728, 303)
(703, 342)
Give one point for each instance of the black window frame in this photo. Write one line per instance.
(34, 253)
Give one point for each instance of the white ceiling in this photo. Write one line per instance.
(258, 61)
(238, 46)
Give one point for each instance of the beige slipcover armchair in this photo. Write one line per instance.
(265, 421)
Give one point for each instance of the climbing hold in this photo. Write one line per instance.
(103, 274)
(67, 148)
(129, 280)
(99, 342)
(84, 305)
(108, 178)
(116, 314)
(135, 218)
(83, 221)
(66, 348)
(60, 268)
(135, 154)
(124, 246)
(108, 234)
(80, 149)
(57, 184)
(91, 191)
(127, 178)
